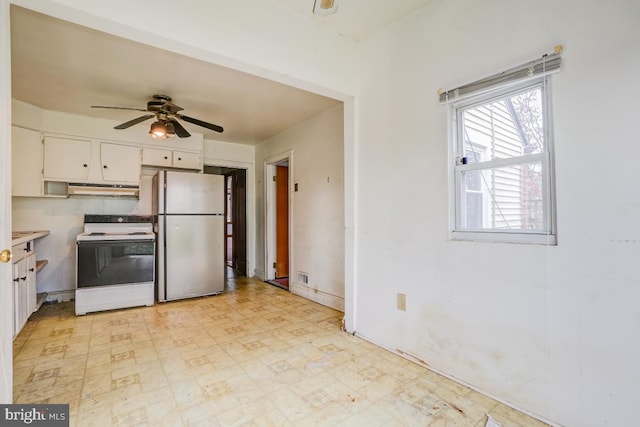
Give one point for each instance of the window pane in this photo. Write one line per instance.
(508, 127)
(508, 198)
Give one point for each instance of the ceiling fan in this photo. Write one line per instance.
(166, 114)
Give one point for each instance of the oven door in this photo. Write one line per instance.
(115, 262)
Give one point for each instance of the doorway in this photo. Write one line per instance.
(236, 221)
(235, 205)
(278, 210)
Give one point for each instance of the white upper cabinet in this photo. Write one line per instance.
(120, 163)
(171, 158)
(26, 153)
(90, 161)
(55, 165)
(156, 157)
(66, 159)
(186, 160)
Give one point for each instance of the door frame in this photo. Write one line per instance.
(232, 178)
(6, 269)
(270, 213)
(250, 212)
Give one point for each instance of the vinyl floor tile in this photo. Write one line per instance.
(255, 355)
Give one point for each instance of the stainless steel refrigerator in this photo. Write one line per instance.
(188, 212)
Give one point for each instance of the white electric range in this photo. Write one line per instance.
(115, 263)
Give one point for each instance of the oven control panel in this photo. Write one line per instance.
(92, 219)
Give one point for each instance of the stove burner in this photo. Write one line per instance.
(97, 234)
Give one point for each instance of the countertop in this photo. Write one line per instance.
(18, 237)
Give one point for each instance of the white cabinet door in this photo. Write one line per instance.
(26, 166)
(66, 159)
(20, 295)
(120, 163)
(171, 158)
(24, 286)
(155, 157)
(186, 160)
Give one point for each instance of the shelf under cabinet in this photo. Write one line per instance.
(40, 264)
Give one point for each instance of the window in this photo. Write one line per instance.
(502, 164)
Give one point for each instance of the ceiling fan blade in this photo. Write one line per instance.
(179, 129)
(118, 108)
(134, 121)
(200, 123)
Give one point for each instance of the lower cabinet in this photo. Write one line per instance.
(24, 287)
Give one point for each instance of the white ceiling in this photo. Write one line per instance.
(57, 65)
(357, 18)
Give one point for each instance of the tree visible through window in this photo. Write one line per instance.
(502, 154)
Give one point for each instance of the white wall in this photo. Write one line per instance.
(317, 208)
(552, 330)
(227, 151)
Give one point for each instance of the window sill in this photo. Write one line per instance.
(505, 237)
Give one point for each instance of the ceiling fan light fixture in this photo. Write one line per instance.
(161, 130)
(166, 114)
(325, 7)
(171, 132)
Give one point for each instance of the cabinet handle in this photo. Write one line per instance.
(165, 157)
(17, 279)
(179, 158)
(105, 166)
(32, 269)
(23, 278)
(84, 165)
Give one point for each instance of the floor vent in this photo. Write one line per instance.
(303, 278)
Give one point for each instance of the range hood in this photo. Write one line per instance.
(83, 189)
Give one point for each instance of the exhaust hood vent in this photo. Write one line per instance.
(82, 189)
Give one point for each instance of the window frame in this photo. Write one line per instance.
(547, 236)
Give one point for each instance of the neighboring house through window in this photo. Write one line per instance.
(501, 149)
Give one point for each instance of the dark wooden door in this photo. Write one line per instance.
(282, 222)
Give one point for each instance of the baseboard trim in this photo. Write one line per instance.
(332, 301)
(259, 274)
(61, 296)
(412, 358)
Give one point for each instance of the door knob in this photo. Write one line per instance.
(5, 255)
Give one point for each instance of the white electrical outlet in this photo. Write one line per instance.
(402, 302)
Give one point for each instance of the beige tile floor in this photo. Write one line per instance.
(255, 355)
